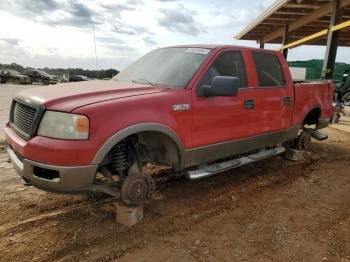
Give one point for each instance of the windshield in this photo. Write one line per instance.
(42, 72)
(173, 67)
(13, 72)
(83, 77)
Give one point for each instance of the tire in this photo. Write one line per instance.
(46, 82)
(346, 99)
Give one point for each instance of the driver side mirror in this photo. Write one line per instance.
(222, 86)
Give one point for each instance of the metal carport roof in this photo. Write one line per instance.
(302, 18)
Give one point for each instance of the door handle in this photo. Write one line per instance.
(249, 104)
(287, 100)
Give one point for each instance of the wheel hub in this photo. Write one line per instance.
(136, 189)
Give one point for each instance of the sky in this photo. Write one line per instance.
(59, 33)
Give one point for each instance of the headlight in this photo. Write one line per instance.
(64, 125)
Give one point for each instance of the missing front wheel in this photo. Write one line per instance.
(136, 189)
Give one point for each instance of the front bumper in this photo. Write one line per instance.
(70, 179)
(24, 80)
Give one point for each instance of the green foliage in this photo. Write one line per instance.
(99, 74)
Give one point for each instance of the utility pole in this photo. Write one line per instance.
(93, 30)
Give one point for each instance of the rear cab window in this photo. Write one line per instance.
(269, 70)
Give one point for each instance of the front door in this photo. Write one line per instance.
(220, 120)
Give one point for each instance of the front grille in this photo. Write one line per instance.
(23, 118)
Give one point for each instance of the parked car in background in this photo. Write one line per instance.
(78, 78)
(40, 76)
(13, 76)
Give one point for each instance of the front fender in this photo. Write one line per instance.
(142, 127)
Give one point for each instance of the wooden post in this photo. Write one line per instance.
(285, 41)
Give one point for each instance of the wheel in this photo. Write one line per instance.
(136, 189)
(46, 82)
(346, 99)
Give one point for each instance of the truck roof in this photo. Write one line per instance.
(217, 46)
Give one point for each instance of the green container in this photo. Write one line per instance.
(314, 69)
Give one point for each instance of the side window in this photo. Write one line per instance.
(269, 70)
(227, 64)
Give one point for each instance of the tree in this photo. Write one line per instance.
(98, 74)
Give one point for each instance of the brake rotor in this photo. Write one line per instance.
(136, 189)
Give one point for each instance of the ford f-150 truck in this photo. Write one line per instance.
(199, 109)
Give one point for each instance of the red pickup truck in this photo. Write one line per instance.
(201, 109)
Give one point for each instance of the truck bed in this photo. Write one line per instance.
(312, 94)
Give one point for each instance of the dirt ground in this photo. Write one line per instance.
(273, 210)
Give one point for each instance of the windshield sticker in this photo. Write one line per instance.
(197, 51)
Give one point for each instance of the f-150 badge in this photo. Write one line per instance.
(181, 107)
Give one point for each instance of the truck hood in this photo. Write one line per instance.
(21, 76)
(50, 76)
(69, 96)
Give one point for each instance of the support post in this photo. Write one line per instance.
(262, 44)
(332, 41)
(285, 41)
(128, 216)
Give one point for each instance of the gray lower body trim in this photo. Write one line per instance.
(202, 155)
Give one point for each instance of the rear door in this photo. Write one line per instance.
(36, 76)
(273, 92)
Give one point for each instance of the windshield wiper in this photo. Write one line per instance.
(142, 81)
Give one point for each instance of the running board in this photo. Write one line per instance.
(209, 170)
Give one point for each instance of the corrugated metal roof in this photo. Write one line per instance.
(303, 17)
(268, 12)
